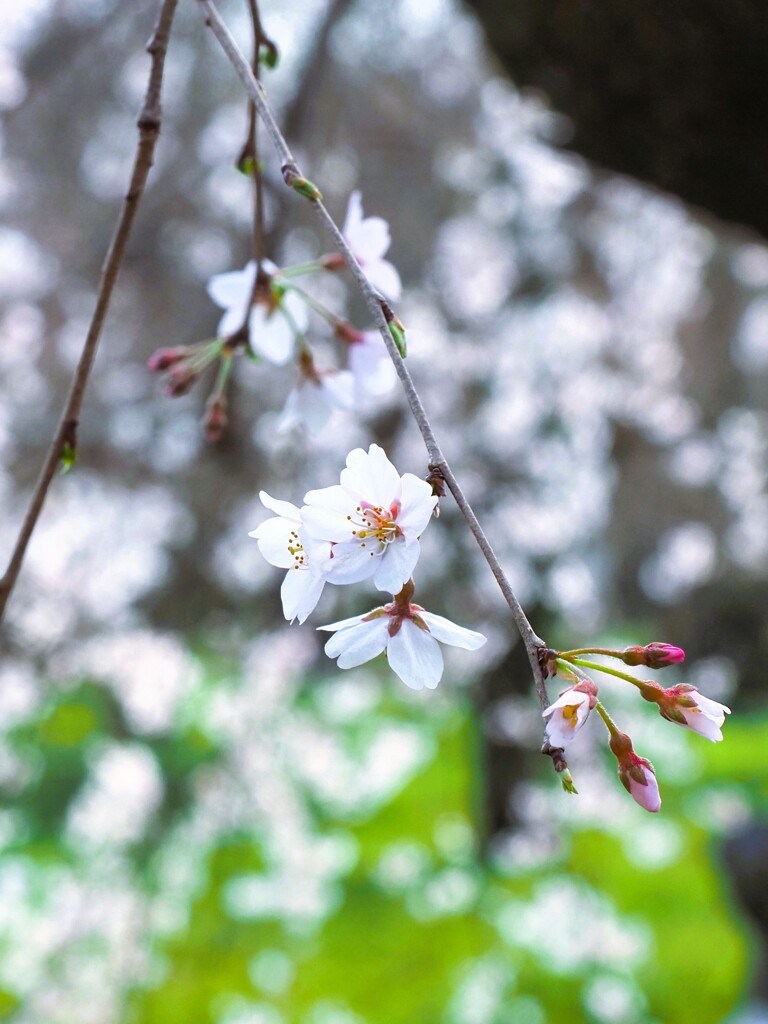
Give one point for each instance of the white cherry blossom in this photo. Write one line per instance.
(685, 706)
(569, 713)
(282, 543)
(273, 321)
(318, 393)
(371, 367)
(369, 239)
(372, 519)
(410, 636)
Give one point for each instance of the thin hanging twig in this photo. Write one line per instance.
(65, 438)
(383, 316)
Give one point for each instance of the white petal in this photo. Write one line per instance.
(358, 643)
(271, 335)
(704, 725)
(417, 505)
(343, 623)
(274, 538)
(291, 416)
(280, 508)
(369, 239)
(326, 513)
(231, 321)
(384, 276)
(300, 593)
(296, 309)
(561, 729)
(308, 406)
(448, 632)
(712, 708)
(339, 387)
(395, 567)
(349, 563)
(233, 288)
(415, 657)
(372, 368)
(371, 476)
(354, 214)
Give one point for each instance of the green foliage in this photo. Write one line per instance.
(411, 923)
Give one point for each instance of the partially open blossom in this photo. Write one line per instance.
(313, 400)
(370, 365)
(369, 239)
(569, 712)
(685, 706)
(272, 318)
(636, 773)
(373, 520)
(653, 655)
(282, 543)
(410, 636)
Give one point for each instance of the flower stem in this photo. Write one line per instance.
(571, 668)
(608, 652)
(607, 669)
(314, 304)
(609, 722)
(300, 269)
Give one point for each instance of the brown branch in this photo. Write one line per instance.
(382, 315)
(66, 434)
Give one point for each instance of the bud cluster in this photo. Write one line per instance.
(266, 317)
(681, 704)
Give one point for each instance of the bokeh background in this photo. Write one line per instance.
(202, 819)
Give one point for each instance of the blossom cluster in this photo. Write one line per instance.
(681, 704)
(266, 316)
(366, 527)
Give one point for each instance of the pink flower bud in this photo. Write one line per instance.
(653, 655)
(344, 331)
(180, 380)
(216, 421)
(636, 773)
(333, 261)
(164, 358)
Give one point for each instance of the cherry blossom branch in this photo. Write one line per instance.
(383, 317)
(65, 439)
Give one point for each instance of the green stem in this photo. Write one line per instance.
(606, 668)
(590, 650)
(571, 668)
(609, 722)
(225, 367)
(313, 303)
(299, 269)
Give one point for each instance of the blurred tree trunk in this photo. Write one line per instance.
(672, 93)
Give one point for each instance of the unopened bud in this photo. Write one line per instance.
(269, 55)
(216, 421)
(344, 331)
(398, 336)
(180, 380)
(636, 774)
(567, 782)
(333, 261)
(164, 358)
(68, 457)
(305, 187)
(654, 655)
